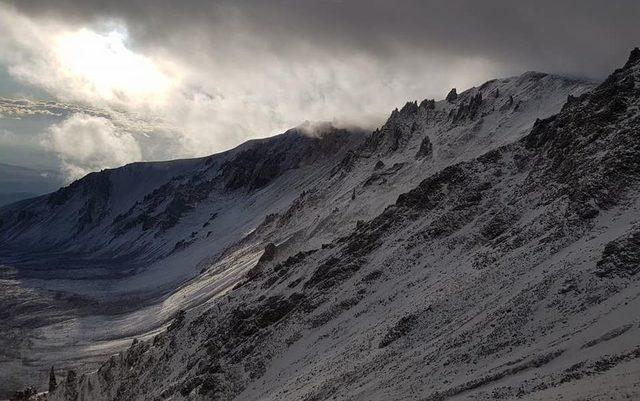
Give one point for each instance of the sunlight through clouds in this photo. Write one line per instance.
(90, 64)
(103, 63)
(209, 87)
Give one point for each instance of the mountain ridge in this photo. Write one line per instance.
(366, 180)
(456, 338)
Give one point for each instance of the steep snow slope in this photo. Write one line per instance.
(98, 260)
(146, 212)
(508, 274)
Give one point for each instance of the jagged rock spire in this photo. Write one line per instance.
(453, 95)
(634, 57)
(428, 104)
(53, 383)
(71, 378)
(426, 149)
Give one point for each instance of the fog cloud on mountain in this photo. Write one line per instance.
(211, 74)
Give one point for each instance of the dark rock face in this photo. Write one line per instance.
(469, 110)
(452, 95)
(53, 383)
(269, 253)
(634, 57)
(431, 191)
(620, 258)
(382, 176)
(409, 109)
(576, 139)
(90, 196)
(68, 390)
(332, 272)
(401, 126)
(400, 329)
(27, 394)
(428, 104)
(250, 169)
(426, 149)
(256, 167)
(96, 188)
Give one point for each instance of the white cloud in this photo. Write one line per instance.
(103, 66)
(242, 100)
(212, 96)
(8, 138)
(80, 64)
(86, 143)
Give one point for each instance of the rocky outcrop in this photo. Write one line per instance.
(452, 95)
(426, 149)
(469, 110)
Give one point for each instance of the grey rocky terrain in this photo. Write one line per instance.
(481, 247)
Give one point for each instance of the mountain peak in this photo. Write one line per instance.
(452, 95)
(634, 57)
(532, 75)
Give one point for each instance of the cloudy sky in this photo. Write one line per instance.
(111, 82)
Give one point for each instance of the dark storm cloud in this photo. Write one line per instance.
(572, 37)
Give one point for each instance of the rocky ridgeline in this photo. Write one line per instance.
(508, 275)
(86, 208)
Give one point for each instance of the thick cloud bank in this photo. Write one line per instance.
(212, 74)
(86, 143)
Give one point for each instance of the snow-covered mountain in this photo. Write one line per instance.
(121, 239)
(479, 247)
